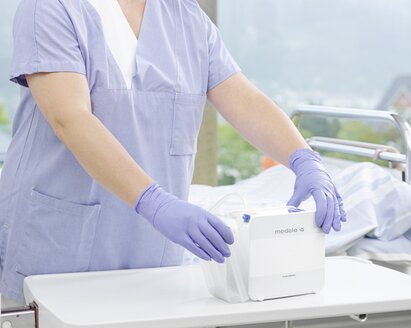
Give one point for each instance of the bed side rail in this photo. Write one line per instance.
(370, 150)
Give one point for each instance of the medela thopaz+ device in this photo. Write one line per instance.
(278, 252)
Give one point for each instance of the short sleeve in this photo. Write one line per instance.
(44, 41)
(221, 64)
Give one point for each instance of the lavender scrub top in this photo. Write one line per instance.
(150, 93)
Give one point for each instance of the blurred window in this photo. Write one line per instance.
(343, 53)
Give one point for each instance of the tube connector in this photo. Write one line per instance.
(359, 317)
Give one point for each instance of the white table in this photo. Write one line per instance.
(177, 297)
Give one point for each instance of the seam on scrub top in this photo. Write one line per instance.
(177, 90)
(35, 35)
(4, 229)
(176, 86)
(103, 200)
(36, 110)
(17, 185)
(93, 240)
(203, 14)
(8, 290)
(75, 35)
(164, 251)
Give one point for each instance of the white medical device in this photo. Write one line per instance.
(277, 252)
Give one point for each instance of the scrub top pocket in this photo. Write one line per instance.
(187, 117)
(58, 236)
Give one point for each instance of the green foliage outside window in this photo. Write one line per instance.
(370, 132)
(5, 128)
(5, 124)
(237, 159)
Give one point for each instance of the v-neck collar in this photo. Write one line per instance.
(125, 21)
(120, 37)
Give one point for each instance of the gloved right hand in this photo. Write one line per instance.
(313, 180)
(186, 224)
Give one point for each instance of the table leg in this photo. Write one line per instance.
(288, 324)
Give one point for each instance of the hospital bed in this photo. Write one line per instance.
(355, 289)
(359, 148)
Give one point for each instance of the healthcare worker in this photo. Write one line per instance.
(104, 139)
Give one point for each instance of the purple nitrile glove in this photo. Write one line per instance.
(312, 179)
(186, 224)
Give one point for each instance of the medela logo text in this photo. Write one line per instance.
(288, 230)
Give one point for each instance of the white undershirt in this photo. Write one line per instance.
(119, 36)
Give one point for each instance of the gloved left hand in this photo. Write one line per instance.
(313, 180)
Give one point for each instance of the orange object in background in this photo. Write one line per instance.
(267, 162)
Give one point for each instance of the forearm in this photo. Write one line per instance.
(257, 118)
(64, 100)
(102, 156)
(268, 128)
